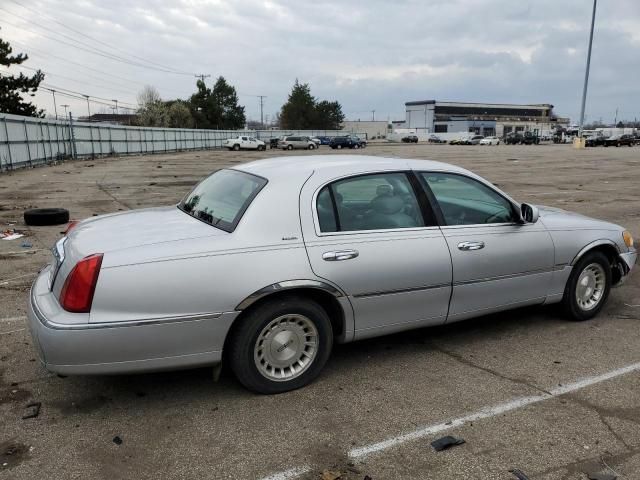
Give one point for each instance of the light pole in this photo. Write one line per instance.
(65, 109)
(116, 100)
(88, 109)
(586, 73)
(55, 108)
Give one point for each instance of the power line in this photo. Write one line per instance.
(78, 32)
(40, 53)
(92, 50)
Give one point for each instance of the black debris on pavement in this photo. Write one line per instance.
(519, 474)
(446, 442)
(601, 476)
(117, 440)
(33, 410)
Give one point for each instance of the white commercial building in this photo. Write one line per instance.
(448, 119)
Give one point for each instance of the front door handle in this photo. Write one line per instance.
(339, 255)
(470, 245)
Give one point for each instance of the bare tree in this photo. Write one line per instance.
(149, 95)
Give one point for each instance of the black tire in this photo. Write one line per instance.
(618, 144)
(569, 302)
(46, 216)
(245, 336)
(339, 147)
(261, 147)
(289, 147)
(236, 147)
(311, 147)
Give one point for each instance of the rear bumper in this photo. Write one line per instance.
(123, 347)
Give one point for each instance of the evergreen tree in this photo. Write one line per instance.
(12, 87)
(218, 107)
(300, 110)
(329, 115)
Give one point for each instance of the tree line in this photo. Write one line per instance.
(216, 107)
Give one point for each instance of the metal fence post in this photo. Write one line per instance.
(26, 139)
(6, 132)
(93, 151)
(111, 150)
(100, 138)
(72, 138)
(164, 137)
(126, 139)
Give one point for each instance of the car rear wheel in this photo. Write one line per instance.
(588, 287)
(236, 147)
(282, 345)
(339, 147)
(310, 147)
(289, 147)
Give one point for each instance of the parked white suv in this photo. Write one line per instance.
(490, 141)
(244, 143)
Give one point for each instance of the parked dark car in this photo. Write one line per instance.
(522, 138)
(324, 140)
(596, 141)
(342, 142)
(410, 139)
(436, 139)
(360, 142)
(273, 142)
(620, 140)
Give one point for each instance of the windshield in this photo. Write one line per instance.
(222, 198)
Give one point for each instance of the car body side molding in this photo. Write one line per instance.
(288, 285)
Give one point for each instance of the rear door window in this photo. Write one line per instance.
(369, 202)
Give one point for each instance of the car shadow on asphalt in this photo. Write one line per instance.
(97, 392)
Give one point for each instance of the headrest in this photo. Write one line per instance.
(387, 204)
(384, 190)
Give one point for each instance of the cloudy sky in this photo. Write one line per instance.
(367, 54)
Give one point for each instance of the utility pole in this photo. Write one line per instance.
(55, 108)
(615, 119)
(261, 97)
(88, 109)
(65, 110)
(373, 115)
(116, 100)
(586, 73)
(202, 76)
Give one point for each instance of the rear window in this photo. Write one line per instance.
(222, 198)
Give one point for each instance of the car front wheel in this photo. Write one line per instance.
(588, 287)
(281, 345)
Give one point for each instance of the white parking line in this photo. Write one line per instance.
(13, 331)
(487, 412)
(13, 319)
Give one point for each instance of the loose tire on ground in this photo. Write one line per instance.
(46, 216)
(592, 263)
(245, 347)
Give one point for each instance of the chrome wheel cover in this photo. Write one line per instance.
(590, 286)
(286, 347)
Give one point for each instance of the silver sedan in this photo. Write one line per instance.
(266, 264)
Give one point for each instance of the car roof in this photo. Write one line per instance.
(302, 167)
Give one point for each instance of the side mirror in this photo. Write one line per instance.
(529, 213)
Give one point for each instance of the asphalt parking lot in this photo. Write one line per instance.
(526, 389)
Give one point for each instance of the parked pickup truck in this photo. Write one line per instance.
(244, 143)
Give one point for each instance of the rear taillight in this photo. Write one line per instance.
(80, 285)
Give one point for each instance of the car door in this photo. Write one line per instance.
(375, 237)
(498, 262)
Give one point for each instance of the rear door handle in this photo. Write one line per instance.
(339, 255)
(470, 245)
